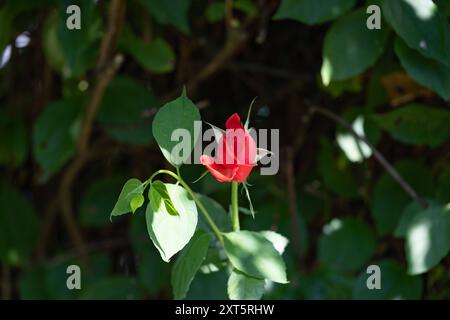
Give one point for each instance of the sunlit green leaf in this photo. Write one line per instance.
(131, 188)
(427, 239)
(279, 242)
(243, 287)
(251, 253)
(408, 214)
(136, 202)
(170, 233)
(158, 191)
(179, 116)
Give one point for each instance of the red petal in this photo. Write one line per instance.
(243, 172)
(234, 122)
(219, 172)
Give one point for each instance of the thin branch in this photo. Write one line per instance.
(229, 20)
(377, 154)
(106, 68)
(237, 36)
(231, 47)
(46, 228)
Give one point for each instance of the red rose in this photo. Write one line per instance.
(236, 153)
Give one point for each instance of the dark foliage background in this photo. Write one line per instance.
(76, 109)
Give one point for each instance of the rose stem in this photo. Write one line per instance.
(234, 206)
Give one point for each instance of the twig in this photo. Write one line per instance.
(229, 20)
(237, 36)
(106, 69)
(45, 232)
(377, 154)
(231, 47)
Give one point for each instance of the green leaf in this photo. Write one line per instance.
(336, 174)
(350, 48)
(417, 124)
(313, 11)
(124, 111)
(250, 252)
(18, 226)
(170, 233)
(421, 26)
(428, 72)
(53, 140)
(211, 286)
(354, 149)
(51, 46)
(158, 191)
(389, 199)
(279, 242)
(153, 273)
(136, 202)
(395, 284)
(427, 239)
(114, 288)
(72, 52)
(217, 213)
(188, 263)
(408, 214)
(178, 114)
(174, 12)
(156, 56)
(98, 199)
(243, 287)
(13, 140)
(346, 244)
(131, 188)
